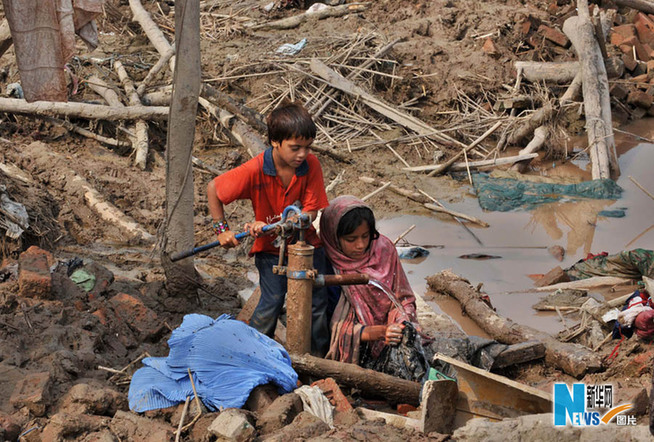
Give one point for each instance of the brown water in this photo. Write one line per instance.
(521, 238)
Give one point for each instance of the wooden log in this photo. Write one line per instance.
(158, 98)
(540, 135)
(87, 133)
(597, 102)
(640, 5)
(154, 34)
(563, 71)
(337, 81)
(5, 37)
(538, 118)
(445, 166)
(239, 130)
(140, 141)
(224, 101)
(476, 164)
(158, 66)
(100, 87)
(82, 110)
(399, 391)
(297, 20)
(519, 353)
(576, 360)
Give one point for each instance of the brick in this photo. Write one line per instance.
(490, 48)
(617, 39)
(138, 317)
(93, 399)
(630, 62)
(638, 365)
(129, 426)
(32, 392)
(34, 278)
(556, 275)
(403, 409)
(626, 31)
(644, 28)
(280, 413)
(261, 397)
(641, 51)
(619, 91)
(233, 424)
(522, 29)
(333, 392)
(554, 35)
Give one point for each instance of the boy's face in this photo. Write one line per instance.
(292, 151)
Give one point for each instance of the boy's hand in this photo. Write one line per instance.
(228, 239)
(255, 228)
(394, 334)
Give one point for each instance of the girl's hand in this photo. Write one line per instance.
(394, 334)
(255, 228)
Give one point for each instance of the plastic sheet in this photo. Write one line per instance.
(227, 358)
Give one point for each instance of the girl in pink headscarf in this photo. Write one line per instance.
(365, 319)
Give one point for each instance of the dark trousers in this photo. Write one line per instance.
(273, 293)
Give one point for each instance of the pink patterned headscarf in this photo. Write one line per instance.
(370, 305)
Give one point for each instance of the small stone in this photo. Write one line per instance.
(234, 424)
(33, 392)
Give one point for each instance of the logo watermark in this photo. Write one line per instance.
(581, 405)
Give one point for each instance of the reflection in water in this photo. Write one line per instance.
(580, 218)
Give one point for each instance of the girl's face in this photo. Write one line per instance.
(355, 244)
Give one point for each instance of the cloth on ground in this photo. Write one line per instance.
(227, 358)
(504, 194)
(316, 403)
(638, 302)
(473, 350)
(43, 33)
(632, 264)
(644, 324)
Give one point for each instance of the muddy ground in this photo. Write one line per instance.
(60, 341)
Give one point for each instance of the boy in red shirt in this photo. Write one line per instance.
(285, 173)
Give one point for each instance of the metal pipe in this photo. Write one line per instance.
(298, 298)
(349, 279)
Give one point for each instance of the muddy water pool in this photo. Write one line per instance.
(521, 238)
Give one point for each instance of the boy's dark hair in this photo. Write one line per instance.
(290, 120)
(353, 219)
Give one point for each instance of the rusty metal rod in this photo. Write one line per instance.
(349, 279)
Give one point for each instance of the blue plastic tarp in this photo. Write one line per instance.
(227, 358)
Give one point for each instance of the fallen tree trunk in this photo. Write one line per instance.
(597, 102)
(156, 37)
(82, 110)
(540, 135)
(140, 141)
(396, 390)
(296, 20)
(563, 71)
(640, 5)
(239, 130)
(477, 164)
(104, 90)
(574, 359)
(5, 37)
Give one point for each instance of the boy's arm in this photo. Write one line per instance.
(227, 238)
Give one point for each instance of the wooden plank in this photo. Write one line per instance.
(484, 394)
(519, 353)
(588, 283)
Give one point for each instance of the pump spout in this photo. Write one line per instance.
(349, 279)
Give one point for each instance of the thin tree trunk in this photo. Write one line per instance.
(181, 277)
